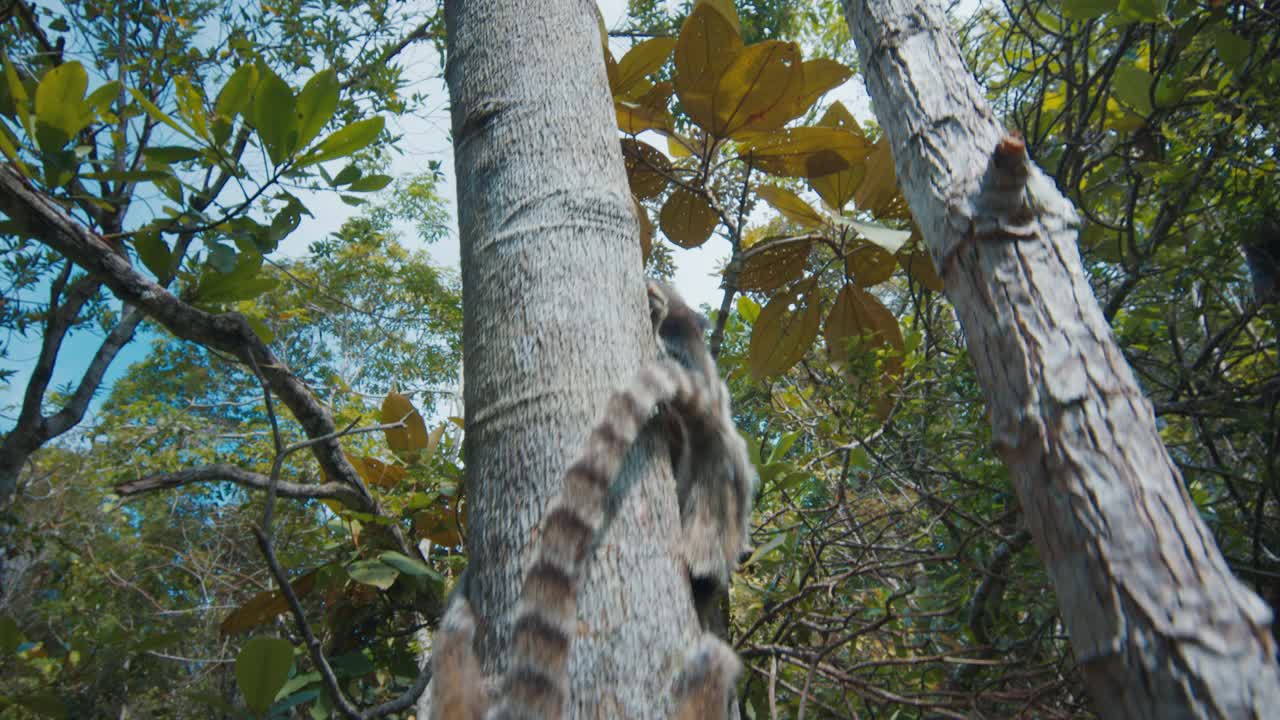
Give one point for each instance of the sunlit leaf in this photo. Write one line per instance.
(784, 331)
(376, 472)
(635, 118)
(60, 108)
(859, 322)
(644, 59)
(439, 525)
(760, 90)
(791, 206)
(191, 106)
(686, 218)
(916, 261)
(316, 104)
(821, 76)
(804, 152)
(887, 238)
(433, 440)
(868, 264)
(774, 263)
(374, 573)
(408, 565)
(878, 192)
(647, 168)
(356, 136)
(262, 667)
(274, 115)
(413, 436)
(707, 46)
(236, 96)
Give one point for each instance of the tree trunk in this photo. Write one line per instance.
(1158, 623)
(554, 319)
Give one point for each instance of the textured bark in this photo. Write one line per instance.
(1158, 623)
(554, 318)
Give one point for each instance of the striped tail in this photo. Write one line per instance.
(536, 685)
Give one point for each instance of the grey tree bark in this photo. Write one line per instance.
(1158, 623)
(554, 319)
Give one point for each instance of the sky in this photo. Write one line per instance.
(425, 138)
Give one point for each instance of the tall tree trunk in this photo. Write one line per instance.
(1158, 623)
(554, 319)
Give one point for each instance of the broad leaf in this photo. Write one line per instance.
(170, 153)
(236, 96)
(1081, 10)
(821, 76)
(868, 264)
(727, 10)
(316, 104)
(266, 605)
(356, 136)
(859, 321)
(644, 59)
(760, 90)
(262, 667)
(878, 193)
(647, 168)
(784, 331)
(408, 565)
(887, 238)
(791, 206)
(374, 573)
(686, 218)
(807, 152)
(1132, 86)
(375, 472)
(707, 46)
(274, 115)
(773, 263)
(413, 436)
(61, 111)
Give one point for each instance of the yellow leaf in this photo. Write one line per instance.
(917, 262)
(644, 59)
(264, 606)
(646, 228)
(707, 46)
(678, 147)
(413, 436)
(772, 264)
(804, 152)
(836, 189)
(760, 90)
(726, 9)
(376, 472)
(838, 116)
(647, 168)
(878, 193)
(820, 77)
(686, 218)
(869, 264)
(634, 119)
(784, 331)
(790, 205)
(859, 320)
(434, 440)
(441, 524)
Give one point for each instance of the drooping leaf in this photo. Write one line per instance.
(356, 136)
(236, 96)
(265, 606)
(807, 152)
(154, 253)
(784, 331)
(868, 264)
(759, 90)
(821, 75)
(878, 193)
(262, 667)
(773, 263)
(859, 321)
(686, 218)
(707, 46)
(408, 565)
(647, 168)
(274, 115)
(887, 238)
(191, 106)
(413, 436)
(644, 59)
(316, 104)
(374, 573)
(791, 206)
(60, 108)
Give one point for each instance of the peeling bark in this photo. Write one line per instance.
(1158, 623)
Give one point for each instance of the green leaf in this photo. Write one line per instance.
(170, 153)
(59, 167)
(356, 136)
(1132, 86)
(346, 176)
(44, 703)
(100, 100)
(273, 115)
(154, 253)
(10, 636)
(60, 108)
(767, 548)
(784, 444)
(160, 115)
(18, 97)
(191, 106)
(408, 565)
(236, 95)
(370, 183)
(262, 667)
(373, 572)
(1232, 49)
(1081, 10)
(1143, 10)
(316, 105)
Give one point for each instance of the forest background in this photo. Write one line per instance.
(891, 573)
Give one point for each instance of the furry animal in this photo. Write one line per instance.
(715, 480)
(535, 687)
